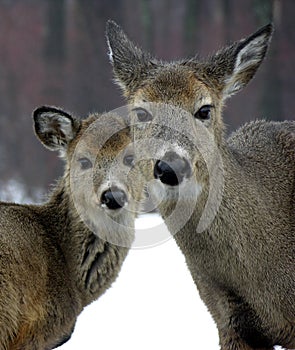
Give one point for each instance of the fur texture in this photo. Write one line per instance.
(51, 263)
(243, 262)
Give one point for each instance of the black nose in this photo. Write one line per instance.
(172, 169)
(113, 198)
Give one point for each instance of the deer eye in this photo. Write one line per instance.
(85, 163)
(142, 114)
(128, 160)
(204, 113)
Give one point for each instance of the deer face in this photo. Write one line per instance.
(101, 178)
(194, 89)
(179, 86)
(181, 148)
(183, 111)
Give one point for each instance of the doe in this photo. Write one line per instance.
(243, 261)
(58, 257)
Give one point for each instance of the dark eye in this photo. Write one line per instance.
(203, 113)
(142, 114)
(85, 163)
(128, 160)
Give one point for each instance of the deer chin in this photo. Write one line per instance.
(105, 225)
(187, 190)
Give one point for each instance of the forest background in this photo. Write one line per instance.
(54, 52)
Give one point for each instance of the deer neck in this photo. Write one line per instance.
(93, 262)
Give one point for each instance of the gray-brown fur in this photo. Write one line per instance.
(51, 264)
(243, 263)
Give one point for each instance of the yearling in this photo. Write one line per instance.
(243, 261)
(51, 263)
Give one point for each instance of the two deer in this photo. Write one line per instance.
(243, 260)
(58, 257)
(54, 257)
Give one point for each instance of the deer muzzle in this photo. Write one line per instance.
(172, 169)
(114, 198)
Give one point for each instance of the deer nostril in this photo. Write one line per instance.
(165, 173)
(172, 169)
(113, 198)
(159, 168)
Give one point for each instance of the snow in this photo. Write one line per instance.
(14, 190)
(154, 304)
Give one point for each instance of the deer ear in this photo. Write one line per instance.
(130, 64)
(239, 62)
(55, 128)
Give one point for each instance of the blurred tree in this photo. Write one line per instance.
(191, 32)
(147, 23)
(270, 103)
(54, 49)
(263, 10)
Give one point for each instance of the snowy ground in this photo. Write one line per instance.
(153, 304)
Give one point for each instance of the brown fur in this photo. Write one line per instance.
(243, 263)
(51, 264)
